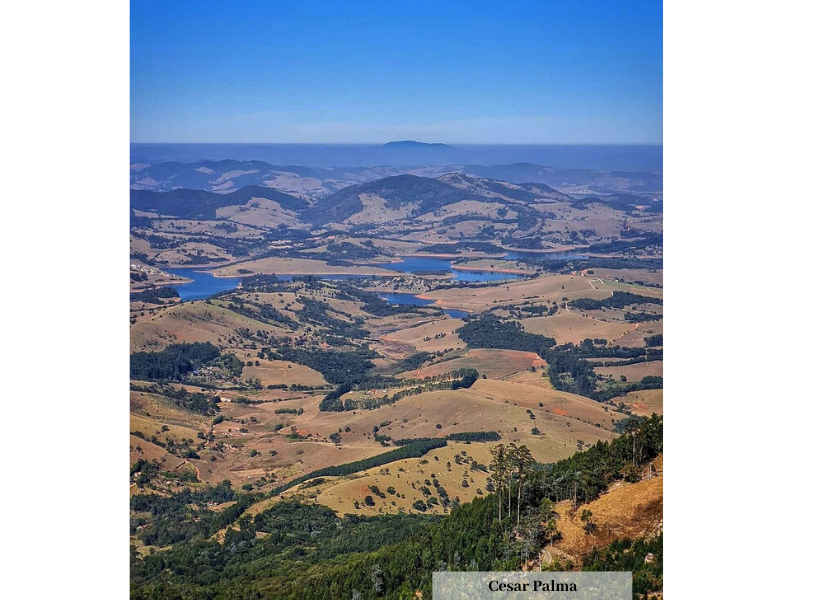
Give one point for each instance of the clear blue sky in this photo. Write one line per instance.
(360, 71)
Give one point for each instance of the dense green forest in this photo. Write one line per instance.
(173, 362)
(155, 294)
(617, 300)
(307, 552)
(490, 332)
(337, 367)
(643, 557)
(412, 362)
(296, 536)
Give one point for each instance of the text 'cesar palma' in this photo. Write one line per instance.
(536, 586)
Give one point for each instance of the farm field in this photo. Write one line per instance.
(573, 327)
(637, 335)
(653, 368)
(281, 372)
(492, 363)
(549, 287)
(628, 276)
(434, 336)
(611, 285)
(644, 402)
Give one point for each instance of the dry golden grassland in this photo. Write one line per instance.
(276, 372)
(432, 336)
(626, 510)
(565, 421)
(189, 227)
(566, 326)
(259, 212)
(190, 322)
(628, 275)
(617, 286)
(549, 287)
(406, 478)
(643, 402)
(492, 363)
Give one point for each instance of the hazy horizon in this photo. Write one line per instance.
(609, 157)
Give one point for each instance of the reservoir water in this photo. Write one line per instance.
(204, 284)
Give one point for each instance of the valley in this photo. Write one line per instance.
(356, 345)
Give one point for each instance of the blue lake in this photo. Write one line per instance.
(204, 284)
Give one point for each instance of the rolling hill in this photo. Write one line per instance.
(568, 179)
(409, 196)
(397, 158)
(228, 175)
(199, 204)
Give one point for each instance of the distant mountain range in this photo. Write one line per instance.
(409, 154)
(227, 175)
(384, 200)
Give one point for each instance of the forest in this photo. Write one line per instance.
(173, 362)
(616, 300)
(490, 332)
(337, 367)
(155, 294)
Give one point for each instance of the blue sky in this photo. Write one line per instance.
(372, 71)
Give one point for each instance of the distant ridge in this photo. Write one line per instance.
(413, 144)
(199, 204)
(397, 154)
